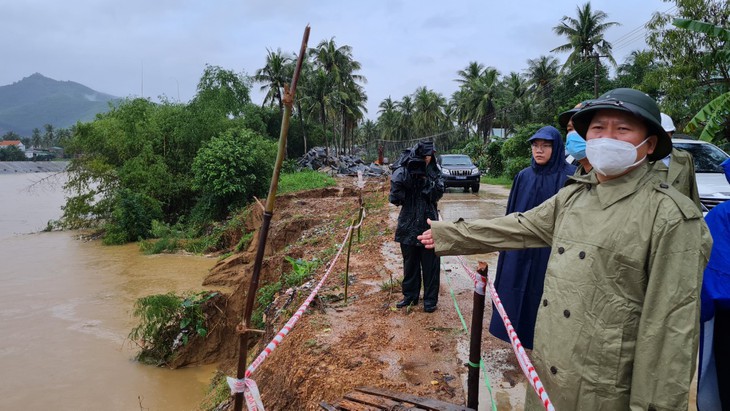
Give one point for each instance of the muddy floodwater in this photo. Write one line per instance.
(66, 309)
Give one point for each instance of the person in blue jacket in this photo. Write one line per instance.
(713, 383)
(521, 273)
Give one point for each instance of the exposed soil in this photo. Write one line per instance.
(339, 345)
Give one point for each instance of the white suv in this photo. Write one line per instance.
(711, 182)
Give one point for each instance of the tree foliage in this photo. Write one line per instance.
(585, 35)
(233, 168)
(694, 69)
(12, 153)
(134, 162)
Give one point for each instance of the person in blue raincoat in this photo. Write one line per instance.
(713, 384)
(521, 273)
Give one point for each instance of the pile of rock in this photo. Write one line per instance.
(319, 159)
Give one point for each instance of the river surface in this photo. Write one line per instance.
(66, 309)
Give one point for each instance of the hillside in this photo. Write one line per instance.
(37, 100)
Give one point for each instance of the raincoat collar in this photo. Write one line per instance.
(614, 190)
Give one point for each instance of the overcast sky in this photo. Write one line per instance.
(160, 47)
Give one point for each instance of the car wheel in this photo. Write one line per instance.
(475, 188)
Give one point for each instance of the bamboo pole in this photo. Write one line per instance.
(244, 329)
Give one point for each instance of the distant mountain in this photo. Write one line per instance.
(37, 100)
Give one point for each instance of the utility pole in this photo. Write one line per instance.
(596, 56)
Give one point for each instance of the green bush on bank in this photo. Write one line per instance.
(166, 238)
(231, 169)
(167, 321)
(132, 218)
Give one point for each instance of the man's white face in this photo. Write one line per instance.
(620, 125)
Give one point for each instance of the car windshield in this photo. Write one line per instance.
(456, 161)
(707, 158)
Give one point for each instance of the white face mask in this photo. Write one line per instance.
(612, 157)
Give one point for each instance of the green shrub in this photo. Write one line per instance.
(301, 271)
(244, 242)
(515, 165)
(289, 166)
(166, 322)
(231, 169)
(476, 150)
(264, 296)
(132, 217)
(517, 145)
(162, 245)
(167, 238)
(495, 163)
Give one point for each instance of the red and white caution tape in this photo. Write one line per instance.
(250, 392)
(527, 368)
(247, 385)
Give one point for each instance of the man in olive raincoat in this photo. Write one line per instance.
(678, 168)
(618, 325)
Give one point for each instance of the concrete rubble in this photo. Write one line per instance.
(343, 164)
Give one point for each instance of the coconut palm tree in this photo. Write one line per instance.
(585, 35)
(367, 132)
(388, 119)
(472, 71)
(351, 102)
(429, 117)
(542, 73)
(277, 72)
(476, 98)
(406, 110)
(518, 102)
(316, 96)
(341, 69)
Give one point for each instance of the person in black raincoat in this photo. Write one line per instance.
(416, 186)
(521, 273)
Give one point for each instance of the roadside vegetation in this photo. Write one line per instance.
(168, 321)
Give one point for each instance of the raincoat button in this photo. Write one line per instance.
(544, 303)
(582, 255)
(553, 370)
(561, 250)
(664, 185)
(588, 187)
(566, 313)
(652, 408)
